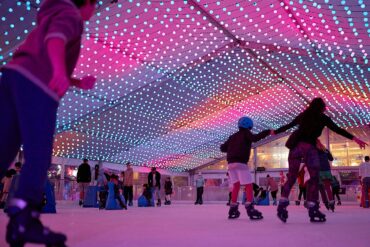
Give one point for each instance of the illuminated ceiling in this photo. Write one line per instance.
(175, 76)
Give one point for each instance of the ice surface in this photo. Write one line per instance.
(186, 225)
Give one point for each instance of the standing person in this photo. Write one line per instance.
(301, 187)
(154, 182)
(199, 184)
(302, 148)
(335, 187)
(364, 174)
(238, 148)
(168, 191)
(83, 179)
(129, 184)
(32, 83)
(273, 187)
(325, 176)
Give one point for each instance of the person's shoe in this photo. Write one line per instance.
(130, 204)
(80, 203)
(25, 227)
(282, 212)
(314, 213)
(297, 203)
(339, 203)
(233, 211)
(253, 213)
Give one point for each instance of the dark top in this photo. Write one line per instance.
(238, 146)
(168, 187)
(84, 173)
(311, 126)
(325, 157)
(157, 182)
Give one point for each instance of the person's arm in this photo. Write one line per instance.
(330, 156)
(78, 174)
(332, 126)
(257, 137)
(223, 147)
(287, 126)
(59, 82)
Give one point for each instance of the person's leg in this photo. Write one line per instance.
(327, 186)
(201, 195)
(126, 193)
(197, 199)
(9, 128)
(37, 117)
(235, 192)
(300, 193)
(313, 166)
(130, 194)
(366, 184)
(294, 160)
(273, 195)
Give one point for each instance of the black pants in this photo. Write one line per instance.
(308, 154)
(199, 195)
(302, 192)
(128, 193)
(273, 194)
(336, 193)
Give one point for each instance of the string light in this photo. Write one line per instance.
(173, 80)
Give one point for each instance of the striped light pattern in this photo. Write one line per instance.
(175, 76)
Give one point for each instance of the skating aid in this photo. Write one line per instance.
(25, 227)
(233, 211)
(282, 213)
(253, 213)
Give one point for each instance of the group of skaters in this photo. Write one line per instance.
(122, 185)
(38, 76)
(305, 150)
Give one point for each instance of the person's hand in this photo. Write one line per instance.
(59, 84)
(361, 143)
(87, 82)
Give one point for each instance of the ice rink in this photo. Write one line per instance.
(185, 225)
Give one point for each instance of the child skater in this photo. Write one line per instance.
(168, 191)
(32, 84)
(238, 148)
(325, 176)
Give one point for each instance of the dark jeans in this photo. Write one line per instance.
(302, 192)
(273, 194)
(308, 154)
(366, 186)
(336, 192)
(28, 117)
(128, 193)
(199, 195)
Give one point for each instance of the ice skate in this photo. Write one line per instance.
(233, 211)
(327, 205)
(252, 212)
(297, 203)
(274, 203)
(25, 227)
(339, 203)
(159, 203)
(282, 213)
(315, 214)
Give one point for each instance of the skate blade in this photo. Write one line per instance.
(313, 220)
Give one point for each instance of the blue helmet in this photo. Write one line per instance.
(245, 122)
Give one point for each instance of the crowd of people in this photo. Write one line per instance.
(38, 76)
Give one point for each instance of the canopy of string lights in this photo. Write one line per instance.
(175, 76)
